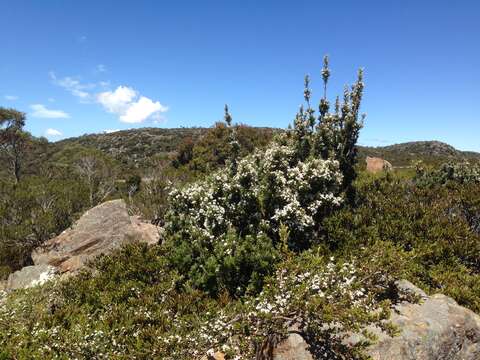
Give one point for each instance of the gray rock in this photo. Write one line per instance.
(437, 328)
(293, 347)
(146, 231)
(406, 286)
(30, 276)
(99, 231)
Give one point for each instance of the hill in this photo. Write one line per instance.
(430, 152)
(137, 147)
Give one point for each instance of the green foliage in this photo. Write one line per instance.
(33, 211)
(213, 149)
(231, 264)
(133, 306)
(436, 229)
(463, 173)
(332, 135)
(261, 241)
(432, 153)
(13, 140)
(133, 184)
(294, 182)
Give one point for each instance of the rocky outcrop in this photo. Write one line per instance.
(435, 328)
(146, 232)
(293, 347)
(30, 276)
(375, 164)
(100, 230)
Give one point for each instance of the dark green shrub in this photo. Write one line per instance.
(440, 244)
(231, 264)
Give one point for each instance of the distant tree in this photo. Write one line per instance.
(184, 153)
(13, 140)
(98, 176)
(133, 184)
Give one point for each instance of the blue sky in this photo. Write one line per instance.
(87, 66)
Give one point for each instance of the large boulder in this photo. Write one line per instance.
(30, 276)
(146, 231)
(435, 328)
(375, 164)
(100, 230)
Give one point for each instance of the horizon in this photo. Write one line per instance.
(83, 68)
(201, 127)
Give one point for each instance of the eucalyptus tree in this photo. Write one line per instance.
(13, 140)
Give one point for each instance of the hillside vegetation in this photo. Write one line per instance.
(263, 230)
(136, 148)
(428, 152)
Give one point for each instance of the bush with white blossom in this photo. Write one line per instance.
(240, 264)
(293, 184)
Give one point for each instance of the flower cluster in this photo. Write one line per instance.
(268, 189)
(324, 300)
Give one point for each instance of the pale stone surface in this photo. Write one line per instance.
(375, 164)
(436, 328)
(100, 230)
(294, 347)
(213, 356)
(30, 276)
(148, 232)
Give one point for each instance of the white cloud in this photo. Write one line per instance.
(138, 111)
(117, 101)
(41, 111)
(129, 105)
(53, 132)
(109, 131)
(11, 97)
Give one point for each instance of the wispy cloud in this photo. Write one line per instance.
(129, 105)
(109, 131)
(74, 86)
(11, 97)
(41, 111)
(53, 132)
(100, 68)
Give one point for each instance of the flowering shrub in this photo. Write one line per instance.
(223, 232)
(462, 173)
(270, 188)
(436, 228)
(237, 268)
(131, 307)
(275, 195)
